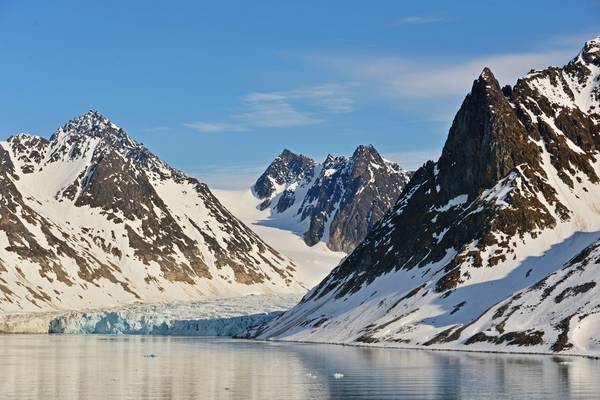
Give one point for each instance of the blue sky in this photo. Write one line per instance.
(218, 89)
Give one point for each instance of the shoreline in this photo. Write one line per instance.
(39, 323)
(436, 349)
(304, 342)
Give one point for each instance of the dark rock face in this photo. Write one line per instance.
(340, 200)
(485, 143)
(91, 208)
(372, 188)
(286, 168)
(518, 176)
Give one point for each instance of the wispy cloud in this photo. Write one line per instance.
(213, 127)
(432, 86)
(334, 98)
(419, 19)
(575, 40)
(410, 78)
(298, 107)
(267, 112)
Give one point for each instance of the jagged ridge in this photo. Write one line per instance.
(337, 201)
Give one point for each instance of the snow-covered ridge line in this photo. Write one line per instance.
(94, 219)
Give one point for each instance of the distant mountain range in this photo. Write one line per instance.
(495, 245)
(91, 218)
(337, 201)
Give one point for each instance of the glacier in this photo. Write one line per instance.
(212, 317)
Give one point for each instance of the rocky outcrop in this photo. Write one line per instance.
(338, 201)
(285, 169)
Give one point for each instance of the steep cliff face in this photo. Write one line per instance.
(91, 218)
(338, 201)
(285, 169)
(513, 197)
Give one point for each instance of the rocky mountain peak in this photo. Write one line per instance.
(286, 168)
(486, 84)
(366, 152)
(364, 149)
(92, 124)
(287, 154)
(591, 51)
(486, 140)
(487, 75)
(94, 135)
(331, 159)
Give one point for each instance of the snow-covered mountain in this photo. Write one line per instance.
(312, 263)
(91, 218)
(337, 201)
(495, 245)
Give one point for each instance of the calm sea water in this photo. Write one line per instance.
(134, 367)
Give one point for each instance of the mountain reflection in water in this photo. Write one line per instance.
(133, 367)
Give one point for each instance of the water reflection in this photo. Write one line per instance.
(96, 367)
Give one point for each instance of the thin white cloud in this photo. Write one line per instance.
(298, 107)
(334, 98)
(213, 127)
(408, 78)
(274, 113)
(419, 19)
(575, 40)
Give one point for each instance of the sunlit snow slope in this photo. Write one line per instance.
(313, 263)
(90, 218)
